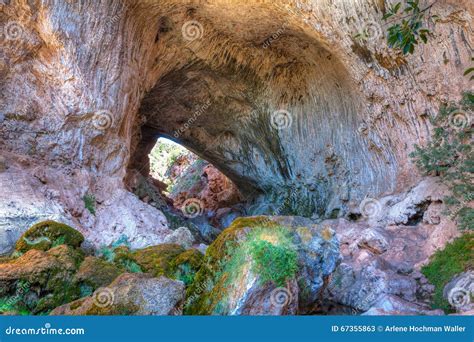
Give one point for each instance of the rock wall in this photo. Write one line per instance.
(278, 95)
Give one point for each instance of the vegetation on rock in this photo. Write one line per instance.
(119, 254)
(455, 258)
(39, 281)
(408, 27)
(449, 155)
(48, 234)
(170, 260)
(89, 203)
(250, 244)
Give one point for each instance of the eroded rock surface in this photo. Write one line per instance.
(130, 294)
(313, 112)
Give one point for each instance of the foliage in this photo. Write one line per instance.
(407, 28)
(274, 263)
(449, 155)
(455, 258)
(89, 203)
(117, 253)
(270, 250)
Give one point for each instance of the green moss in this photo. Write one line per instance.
(48, 234)
(10, 305)
(273, 263)
(455, 258)
(89, 203)
(157, 260)
(95, 272)
(186, 265)
(250, 242)
(169, 260)
(61, 287)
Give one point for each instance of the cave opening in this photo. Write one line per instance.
(195, 186)
(188, 189)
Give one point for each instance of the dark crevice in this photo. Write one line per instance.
(416, 218)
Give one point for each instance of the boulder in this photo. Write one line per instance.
(39, 281)
(170, 260)
(47, 234)
(460, 291)
(22, 205)
(130, 294)
(265, 266)
(181, 236)
(95, 272)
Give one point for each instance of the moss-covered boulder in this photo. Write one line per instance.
(185, 266)
(47, 234)
(170, 260)
(264, 265)
(94, 273)
(39, 281)
(130, 294)
(157, 260)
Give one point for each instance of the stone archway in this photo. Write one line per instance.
(81, 84)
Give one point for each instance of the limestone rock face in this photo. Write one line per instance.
(383, 253)
(278, 95)
(32, 192)
(130, 294)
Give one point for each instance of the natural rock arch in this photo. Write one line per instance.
(83, 82)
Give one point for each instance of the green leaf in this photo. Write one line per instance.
(468, 71)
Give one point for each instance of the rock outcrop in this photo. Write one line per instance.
(278, 95)
(130, 294)
(264, 266)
